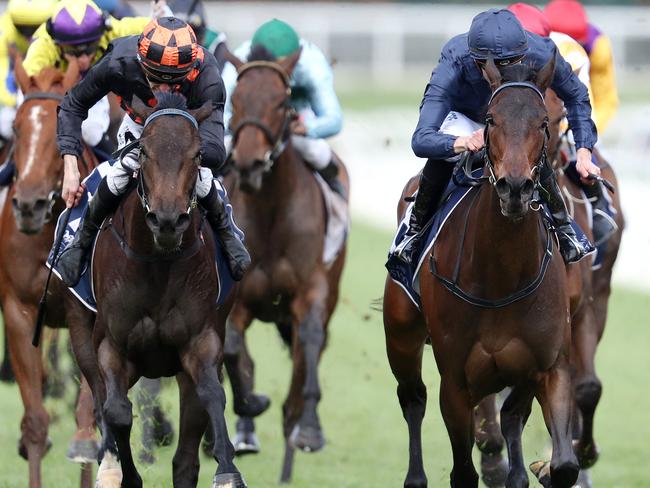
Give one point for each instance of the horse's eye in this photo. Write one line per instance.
(489, 120)
(544, 124)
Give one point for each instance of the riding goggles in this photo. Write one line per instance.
(157, 77)
(27, 31)
(78, 50)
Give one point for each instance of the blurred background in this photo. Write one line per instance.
(383, 54)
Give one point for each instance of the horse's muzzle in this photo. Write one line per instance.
(31, 215)
(515, 196)
(168, 228)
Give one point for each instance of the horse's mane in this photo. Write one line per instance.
(171, 100)
(260, 53)
(46, 79)
(517, 72)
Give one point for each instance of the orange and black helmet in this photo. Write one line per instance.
(167, 50)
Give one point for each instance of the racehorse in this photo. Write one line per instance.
(27, 234)
(504, 320)
(157, 287)
(279, 204)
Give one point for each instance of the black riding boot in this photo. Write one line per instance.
(330, 174)
(433, 181)
(571, 248)
(71, 262)
(602, 222)
(236, 253)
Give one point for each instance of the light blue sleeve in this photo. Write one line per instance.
(314, 73)
(229, 75)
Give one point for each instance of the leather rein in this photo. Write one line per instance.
(465, 164)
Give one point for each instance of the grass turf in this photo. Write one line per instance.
(366, 435)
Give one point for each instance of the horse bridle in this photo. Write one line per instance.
(137, 144)
(543, 157)
(54, 195)
(277, 141)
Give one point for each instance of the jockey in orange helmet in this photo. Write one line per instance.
(165, 57)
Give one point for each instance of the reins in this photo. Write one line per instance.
(465, 165)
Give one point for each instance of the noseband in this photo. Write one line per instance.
(277, 141)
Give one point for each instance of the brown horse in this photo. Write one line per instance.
(491, 328)
(27, 233)
(156, 286)
(278, 203)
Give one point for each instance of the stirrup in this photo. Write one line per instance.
(607, 229)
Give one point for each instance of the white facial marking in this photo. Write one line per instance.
(37, 128)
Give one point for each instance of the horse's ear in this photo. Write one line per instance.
(290, 62)
(140, 109)
(492, 73)
(71, 76)
(203, 112)
(232, 59)
(22, 78)
(545, 75)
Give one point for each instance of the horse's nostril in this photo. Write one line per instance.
(502, 187)
(40, 205)
(152, 219)
(183, 221)
(528, 188)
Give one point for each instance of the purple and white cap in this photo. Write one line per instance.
(77, 22)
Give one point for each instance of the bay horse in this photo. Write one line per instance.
(279, 204)
(156, 287)
(27, 232)
(489, 328)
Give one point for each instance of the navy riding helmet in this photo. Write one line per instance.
(497, 32)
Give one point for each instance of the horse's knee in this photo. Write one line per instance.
(118, 412)
(209, 390)
(588, 393)
(412, 397)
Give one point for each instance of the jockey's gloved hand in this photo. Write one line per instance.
(72, 188)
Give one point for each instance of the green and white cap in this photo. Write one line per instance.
(278, 37)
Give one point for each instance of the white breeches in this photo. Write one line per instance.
(457, 124)
(7, 116)
(121, 172)
(97, 122)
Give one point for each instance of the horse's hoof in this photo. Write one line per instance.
(228, 480)
(587, 455)
(418, 482)
(565, 475)
(82, 451)
(494, 470)
(252, 406)
(109, 474)
(308, 439)
(245, 443)
(22, 449)
(542, 471)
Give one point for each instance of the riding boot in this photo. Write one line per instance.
(433, 181)
(572, 249)
(71, 262)
(603, 225)
(330, 174)
(236, 253)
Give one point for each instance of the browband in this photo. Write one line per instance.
(265, 64)
(171, 111)
(523, 84)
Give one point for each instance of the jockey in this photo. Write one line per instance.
(312, 95)
(454, 106)
(193, 12)
(533, 20)
(569, 17)
(164, 57)
(17, 26)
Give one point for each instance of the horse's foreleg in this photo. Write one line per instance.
(118, 410)
(494, 468)
(404, 346)
(193, 421)
(240, 366)
(514, 415)
(27, 364)
(554, 396)
(309, 315)
(200, 361)
(587, 386)
(458, 414)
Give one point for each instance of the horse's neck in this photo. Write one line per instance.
(505, 251)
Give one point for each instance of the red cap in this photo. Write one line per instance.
(532, 19)
(568, 17)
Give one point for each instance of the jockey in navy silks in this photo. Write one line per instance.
(454, 107)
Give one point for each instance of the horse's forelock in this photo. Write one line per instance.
(171, 100)
(517, 73)
(260, 53)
